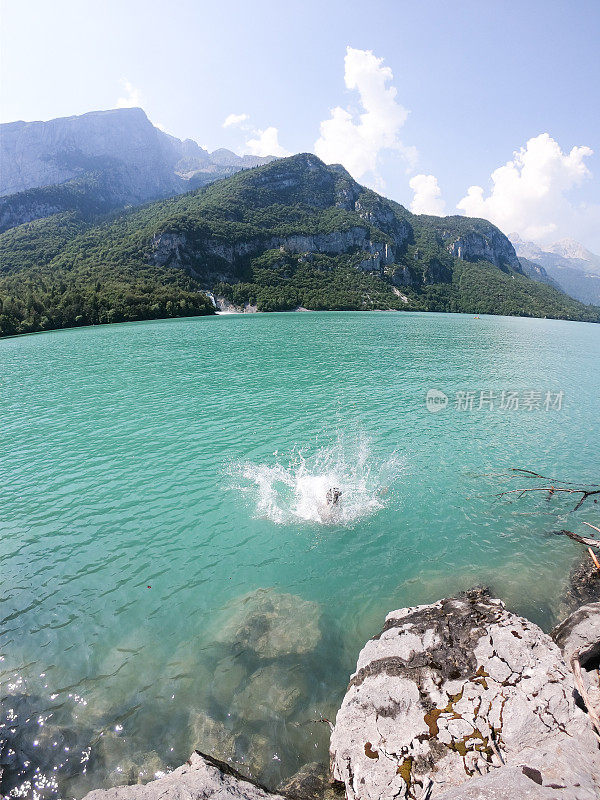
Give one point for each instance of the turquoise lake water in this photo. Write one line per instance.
(154, 473)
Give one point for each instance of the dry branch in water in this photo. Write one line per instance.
(587, 541)
(554, 485)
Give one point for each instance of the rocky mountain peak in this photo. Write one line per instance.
(134, 161)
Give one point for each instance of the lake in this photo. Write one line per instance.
(172, 575)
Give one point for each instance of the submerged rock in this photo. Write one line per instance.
(211, 736)
(311, 782)
(230, 673)
(249, 752)
(121, 766)
(40, 745)
(270, 624)
(199, 778)
(456, 690)
(273, 690)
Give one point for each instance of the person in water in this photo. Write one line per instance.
(333, 495)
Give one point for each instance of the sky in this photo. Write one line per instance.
(484, 107)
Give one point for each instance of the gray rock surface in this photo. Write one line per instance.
(580, 633)
(518, 782)
(461, 689)
(200, 778)
(491, 246)
(38, 154)
(178, 250)
(579, 639)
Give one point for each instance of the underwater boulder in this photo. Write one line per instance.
(311, 782)
(270, 624)
(272, 691)
(211, 736)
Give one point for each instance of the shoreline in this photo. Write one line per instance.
(300, 310)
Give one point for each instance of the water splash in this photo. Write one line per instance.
(295, 490)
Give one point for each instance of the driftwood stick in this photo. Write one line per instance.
(593, 557)
(579, 683)
(588, 542)
(585, 493)
(552, 480)
(589, 524)
(552, 486)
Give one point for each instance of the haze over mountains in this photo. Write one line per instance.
(102, 160)
(566, 264)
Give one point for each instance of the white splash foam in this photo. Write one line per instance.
(296, 491)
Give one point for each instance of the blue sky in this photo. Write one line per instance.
(474, 82)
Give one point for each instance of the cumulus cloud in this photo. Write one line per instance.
(428, 195)
(530, 193)
(355, 139)
(132, 97)
(266, 143)
(235, 119)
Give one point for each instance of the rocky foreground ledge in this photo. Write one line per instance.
(462, 699)
(458, 700)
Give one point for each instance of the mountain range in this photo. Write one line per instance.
(293, 233)
(107, 218)
(566, 264)
(98, 162)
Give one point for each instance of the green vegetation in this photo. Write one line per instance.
(158, 260)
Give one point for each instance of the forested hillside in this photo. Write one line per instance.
(292, 233)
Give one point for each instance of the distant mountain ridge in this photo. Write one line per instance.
(102, 160)
(567, 263)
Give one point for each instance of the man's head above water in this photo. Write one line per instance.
(333, 495)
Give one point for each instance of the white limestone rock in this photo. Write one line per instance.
(200, 778)
(453, 691)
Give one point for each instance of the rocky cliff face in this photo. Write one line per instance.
(43, 153)
(179, 250)
(566, 264)
(492, 246)
(145, 163)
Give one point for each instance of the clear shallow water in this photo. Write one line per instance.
(154, 473)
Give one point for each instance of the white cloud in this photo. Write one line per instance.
(266, 143)
(530, 194)
(235, 119)
(428, 195)
(132, 97)
(357, 139)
